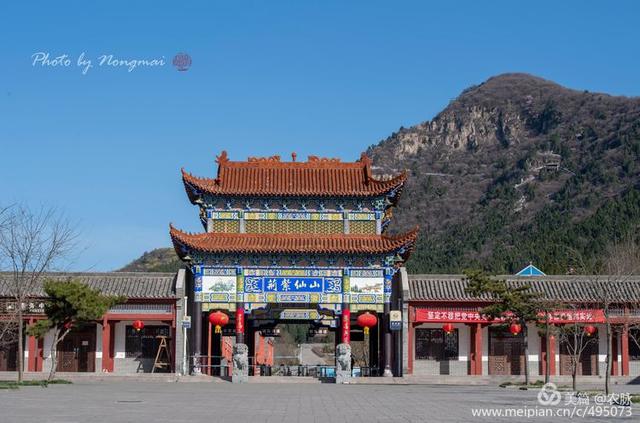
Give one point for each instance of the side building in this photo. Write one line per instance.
(446, 333)
(112, 344)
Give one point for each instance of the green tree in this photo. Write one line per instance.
(70, 304)
(516, 304)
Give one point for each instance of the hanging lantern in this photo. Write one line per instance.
(590, 330)
(68, 325)
(515, 329)
(138, 325)
(218, 319)
(447, 328)
(367, 320)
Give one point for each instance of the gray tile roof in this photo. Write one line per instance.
(131, 285)
(557, 288)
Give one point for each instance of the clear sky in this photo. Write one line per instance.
(268, 77)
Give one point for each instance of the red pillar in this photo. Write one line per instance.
(624, 346)
(240, 323)
(107, 360)
(472, 349)
(39, 355)
(614, 354)
(478, 349)
(346, 324)
(551, 355)
(31, 346)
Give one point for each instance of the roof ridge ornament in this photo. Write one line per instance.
(271, 159)
(222, 158)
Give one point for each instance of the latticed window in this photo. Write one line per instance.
(366, 227)
(226, 226)
(294, 226)
(435, 344)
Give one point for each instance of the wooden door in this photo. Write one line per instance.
(76, 352)
(9, 357)
(588, 364)
(506, 353)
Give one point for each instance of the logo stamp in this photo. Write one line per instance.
(182, 61)
(549, 394)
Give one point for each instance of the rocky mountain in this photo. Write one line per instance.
(515, 169)
(518, 169)
(158, 260)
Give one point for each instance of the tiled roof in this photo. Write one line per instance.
(557, 288)
(131, 285)
(270, 177)
(292, 243)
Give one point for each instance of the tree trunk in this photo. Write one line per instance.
(20, 343)
(574, 377)
(607, 377)
(57, 338)
(526, 353)
(547, 341)
(54, 355)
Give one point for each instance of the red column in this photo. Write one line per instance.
(472, 349)
(614, 354)
(551, 354)
(478, 349)
(31, 346)
(240, 323)
(346, 324)
(624, 346)
(107, 360)
(39, 355)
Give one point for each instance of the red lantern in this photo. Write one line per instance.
(218, 319)
(68, 325)
(515, 329)
(367, 320)
(590, 330)
(447, 328)
(138, 325)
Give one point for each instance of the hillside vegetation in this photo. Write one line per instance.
(516, 169)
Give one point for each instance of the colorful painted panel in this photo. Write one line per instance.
(367, 286)
(292, 216)
(215, 285)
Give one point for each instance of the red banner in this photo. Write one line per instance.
(450, 316)
(575, 316)
(434, 315)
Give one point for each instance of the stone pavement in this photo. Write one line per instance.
(117, 401)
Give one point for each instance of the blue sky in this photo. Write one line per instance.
(327, 78)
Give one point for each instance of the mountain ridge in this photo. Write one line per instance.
(515, 169)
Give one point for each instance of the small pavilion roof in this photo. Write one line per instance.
(213, 242)
(268, 176)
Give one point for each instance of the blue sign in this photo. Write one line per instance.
(293, 284)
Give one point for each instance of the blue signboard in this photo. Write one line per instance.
(293, 284)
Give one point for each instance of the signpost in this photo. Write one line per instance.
(395, 320)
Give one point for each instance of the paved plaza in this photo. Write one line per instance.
(158, 402)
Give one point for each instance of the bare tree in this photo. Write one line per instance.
(574, 340)
(607, 278)
(32, 242)
(621, 263)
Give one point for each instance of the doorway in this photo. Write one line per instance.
(77, 351)
(506, 352)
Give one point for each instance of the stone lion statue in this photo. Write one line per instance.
(343, 357)
(240, 357)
